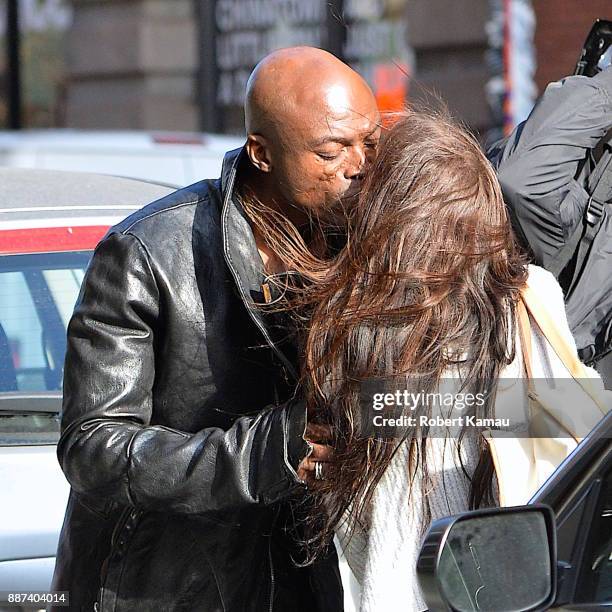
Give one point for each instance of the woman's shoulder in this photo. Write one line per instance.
(542, 282)
(538, 276)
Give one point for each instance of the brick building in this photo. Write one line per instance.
(562, 26)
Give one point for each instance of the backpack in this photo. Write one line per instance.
(583, 266)
(555, 170)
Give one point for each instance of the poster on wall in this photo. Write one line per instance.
(370, 35)
(376, 46)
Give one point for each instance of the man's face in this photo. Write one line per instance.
(321, 158)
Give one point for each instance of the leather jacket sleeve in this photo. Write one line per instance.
(108, 446)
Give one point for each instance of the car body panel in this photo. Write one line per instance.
(50, 239)
(27, 575)
(38, 491)
(179, 158)
(45, 215)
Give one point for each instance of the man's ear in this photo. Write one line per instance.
(259, 152)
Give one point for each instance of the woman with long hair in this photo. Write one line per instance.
(421, 288)
(426, 288)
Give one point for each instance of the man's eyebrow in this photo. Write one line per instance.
(326, 139)
(340, 139)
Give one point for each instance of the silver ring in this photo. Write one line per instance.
(318, 470)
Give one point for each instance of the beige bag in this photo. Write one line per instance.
(522, 465)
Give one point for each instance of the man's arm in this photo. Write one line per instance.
(536, 165)
(108, 447)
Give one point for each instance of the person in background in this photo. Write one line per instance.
(555, 171)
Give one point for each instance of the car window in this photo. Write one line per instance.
(38, 295)
(595, 579)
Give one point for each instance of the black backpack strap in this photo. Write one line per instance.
(600, 188)
(599, 185)
(563, 256)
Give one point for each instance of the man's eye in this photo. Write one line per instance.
(371, 144)
(328, 156)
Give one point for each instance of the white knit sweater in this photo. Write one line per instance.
(382, 555)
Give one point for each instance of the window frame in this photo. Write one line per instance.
(573, 492)
(32, 266)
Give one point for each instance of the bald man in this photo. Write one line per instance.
(183, 439)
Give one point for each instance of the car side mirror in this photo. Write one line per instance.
(494, 560)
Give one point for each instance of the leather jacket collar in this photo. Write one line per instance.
(243, 259)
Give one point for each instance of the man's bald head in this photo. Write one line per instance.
(288, 82)
(312, 126)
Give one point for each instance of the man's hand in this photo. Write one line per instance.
(318, 436)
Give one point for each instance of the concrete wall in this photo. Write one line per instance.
(132, 64)
(450, 43)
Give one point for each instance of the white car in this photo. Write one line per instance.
(178, 158)
(50, 222)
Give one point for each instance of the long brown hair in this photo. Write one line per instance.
(430, 263)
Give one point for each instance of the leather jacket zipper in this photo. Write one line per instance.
(121, 523)
(270, 561)
(119, 527)
(272, 578)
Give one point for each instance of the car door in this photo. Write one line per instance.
(38, 294)
(580, 493)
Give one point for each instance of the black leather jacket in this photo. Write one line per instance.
(182, 474)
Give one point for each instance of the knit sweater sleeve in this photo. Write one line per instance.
(383, 555)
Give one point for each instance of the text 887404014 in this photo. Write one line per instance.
(34, 598)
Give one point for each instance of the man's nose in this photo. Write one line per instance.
(356, 166)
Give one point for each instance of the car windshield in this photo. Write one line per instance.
(38, 295)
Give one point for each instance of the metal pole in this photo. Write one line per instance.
(208, 111)
(336, 28)
(13, 64)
